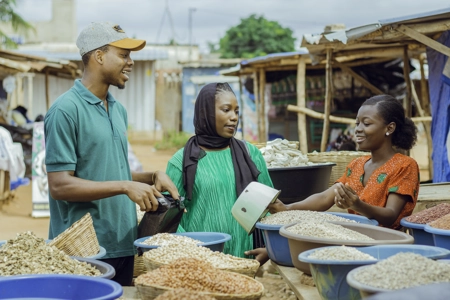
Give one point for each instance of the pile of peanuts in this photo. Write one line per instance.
(292, 216)
(430, 214)
(178, 294)
(340, 253)
(164, 239)
(197, 275)
(170, 253)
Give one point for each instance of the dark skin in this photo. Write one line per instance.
(107, 68)
(227, 117)
(374, 135)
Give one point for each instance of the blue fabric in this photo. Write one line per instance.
(440, 106)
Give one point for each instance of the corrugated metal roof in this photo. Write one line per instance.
(142, 55)
(274, 56)
(352, 34)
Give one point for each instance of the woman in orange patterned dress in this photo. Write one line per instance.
(384, 185)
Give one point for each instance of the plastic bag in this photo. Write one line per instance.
(164, 220)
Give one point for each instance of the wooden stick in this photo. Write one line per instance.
(262, 102)
(241, 110)
(317, 115)
(328, 99)
(257, 105)
(424, 86)
(358, 77)
(406, 71)
(427, 127)
(301, 102)
(424, 39)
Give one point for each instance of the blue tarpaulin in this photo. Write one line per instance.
(440, 110)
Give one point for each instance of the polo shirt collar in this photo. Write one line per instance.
(87, 94)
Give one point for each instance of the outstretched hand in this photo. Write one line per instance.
(345, 197)
(260, 255)
(277, 206)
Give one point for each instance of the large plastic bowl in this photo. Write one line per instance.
(106, 269)
(357, 218)
(212, 240)
(297, 183)
(100, 254)
(436, 291)
(330, 275)
(441, 237)
(421, 237)
(278, 246)
(58, 287)
(300, 243)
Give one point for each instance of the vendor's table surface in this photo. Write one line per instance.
(292, 277)
(432, 194)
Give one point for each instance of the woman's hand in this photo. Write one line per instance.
(277, 206)
(345, 197)
(260, 255)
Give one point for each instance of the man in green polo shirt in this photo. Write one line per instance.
(87, 155)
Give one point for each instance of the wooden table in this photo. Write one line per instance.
(130, 293)
(292, 276)
(432, 194)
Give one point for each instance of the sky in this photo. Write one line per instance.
(159, 21)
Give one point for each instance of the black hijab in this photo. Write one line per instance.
(245, 170)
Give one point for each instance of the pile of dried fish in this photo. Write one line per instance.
(282, 153)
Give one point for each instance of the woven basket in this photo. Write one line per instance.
(139, 266)
(153, 291)
(79, 239)
(340, 158)
(151, 265)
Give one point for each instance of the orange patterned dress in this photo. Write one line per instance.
(398, 175)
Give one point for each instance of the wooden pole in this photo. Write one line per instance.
(406, 71)
(241, 109)
(47, 93)
(424, 86)
(257, 105)
(301, 102)
(427, 127)
(424, 39)
(317, 115)
(262, 102)
(328, 99)
(30, 95)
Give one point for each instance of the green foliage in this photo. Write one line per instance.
(19, 25)
(173, 141)
(256, 36)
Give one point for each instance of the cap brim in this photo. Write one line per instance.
(129, 44)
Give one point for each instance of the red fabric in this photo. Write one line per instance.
(398, 175)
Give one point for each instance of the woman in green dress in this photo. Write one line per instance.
(214, 168)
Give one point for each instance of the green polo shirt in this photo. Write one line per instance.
(83, 137)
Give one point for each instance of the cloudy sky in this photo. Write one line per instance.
(159, 21)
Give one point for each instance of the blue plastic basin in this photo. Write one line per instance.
(278, 246)
(417, 231)
(212, 240)
(330, 275)
(441, 237)
(58, 287)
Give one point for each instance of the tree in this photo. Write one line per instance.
(8, 15)
(256, 36)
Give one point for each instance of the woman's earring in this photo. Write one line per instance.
(387, 133)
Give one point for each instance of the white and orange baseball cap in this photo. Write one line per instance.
(99, 34)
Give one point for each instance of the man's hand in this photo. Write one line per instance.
(143, 195)
(163, 183)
